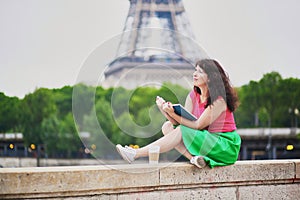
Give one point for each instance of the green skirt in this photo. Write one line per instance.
(217, 149)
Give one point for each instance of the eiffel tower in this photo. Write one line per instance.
(157, 45)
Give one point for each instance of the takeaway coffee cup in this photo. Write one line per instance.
(154, 154)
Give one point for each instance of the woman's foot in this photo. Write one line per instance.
(198, 161)
(126, 152)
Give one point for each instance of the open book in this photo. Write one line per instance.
(180, 110)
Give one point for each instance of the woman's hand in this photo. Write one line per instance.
(168, 108)
(159, 102)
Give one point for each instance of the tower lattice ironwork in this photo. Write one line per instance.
(157, 45)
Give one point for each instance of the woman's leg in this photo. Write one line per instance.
(171, 139)
(166, 129)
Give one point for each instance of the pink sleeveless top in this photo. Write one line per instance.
(224, 123)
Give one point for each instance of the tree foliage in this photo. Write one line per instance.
(56, 118)
(271, 101)
(37, 107)
(10, 114)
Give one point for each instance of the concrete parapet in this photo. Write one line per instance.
(268, 179)
(32, 162)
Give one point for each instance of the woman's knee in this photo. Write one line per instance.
(167, 127)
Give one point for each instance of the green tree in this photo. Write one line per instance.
(127, 130)
(247, 112)
(101, 129)
(82, 102)
(10, 114)
(141, 98)
(50, 137)
(289, 95)
(261, 103)
(68, 139)
(37, 107)
(63, 100)
(269, 94)
(119, 101)
(173, 93)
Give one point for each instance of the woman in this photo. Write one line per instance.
(210, 140)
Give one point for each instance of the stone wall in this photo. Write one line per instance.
(33, 162)
(272, 179)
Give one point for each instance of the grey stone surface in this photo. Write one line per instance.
(242, 171)
(245, 179)
(285, 191)
(297, 163)
(201, 193)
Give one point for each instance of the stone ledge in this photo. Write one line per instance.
(123, 180)
(297, 163)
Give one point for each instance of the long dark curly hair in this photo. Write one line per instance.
(218, 84)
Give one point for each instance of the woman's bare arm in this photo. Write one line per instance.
(188, 104)
(210, 114)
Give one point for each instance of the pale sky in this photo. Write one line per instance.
(43, 43)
